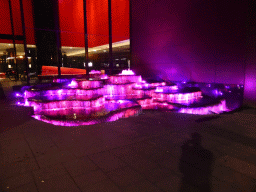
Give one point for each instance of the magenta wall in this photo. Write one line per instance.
(202, 41)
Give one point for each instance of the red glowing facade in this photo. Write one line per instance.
(71, 21)
(6, 24)
(71, 17)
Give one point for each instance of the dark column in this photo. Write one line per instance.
(110, 38)
(57, 31)
(13, 39)
(86, 39)
(25, 40)
(45, 33)
(130, 24)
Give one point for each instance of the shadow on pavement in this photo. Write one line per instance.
(195, 165)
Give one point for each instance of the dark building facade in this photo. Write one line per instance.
(202, 41)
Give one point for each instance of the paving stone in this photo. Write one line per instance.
(140, 186)
(238, 165)
(49, 172)
(145, 148)
(80, 166)
(59, 184)
(223, 186)
(31, 187)
(124, 176)
(88, 180)
(104, 185)
(158, 174)
(240, 151)
(136, 154)
(106, 161)
(172, 183)
(95, 148)
(123, 152)
(16, 181)
(140, 164)
(54, 156)
(15, 150)
(8, 170)
(9, 133)
(233, 177)
(40, 148)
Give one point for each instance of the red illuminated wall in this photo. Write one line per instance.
(52, 70)
(120, 20)
(6, 24)
(97, 14)
(72, 22)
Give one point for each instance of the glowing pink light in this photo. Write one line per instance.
(94, 72)
(159, 90)
(104, 77)
(218, 108)
(60, 91)
(26, 103)
(175, 87)
(18, 95)
(127, 72)
(73, 84)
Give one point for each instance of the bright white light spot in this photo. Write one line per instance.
(73, 84)
(29, 65)
(127, 72)
(90, 64)
(9, 66)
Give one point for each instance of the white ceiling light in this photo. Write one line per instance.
(90, 64)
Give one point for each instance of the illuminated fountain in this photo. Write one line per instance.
(83, 102)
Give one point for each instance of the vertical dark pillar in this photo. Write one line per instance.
(86, 39)
(45, 33)
(110, 38)
(13, 39)
(57, 31)
(130, 24)
(25, 40)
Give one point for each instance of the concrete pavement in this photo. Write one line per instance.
(151, 152)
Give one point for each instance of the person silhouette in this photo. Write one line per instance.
(195, 165)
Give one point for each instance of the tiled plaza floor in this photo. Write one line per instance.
(150, 152)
